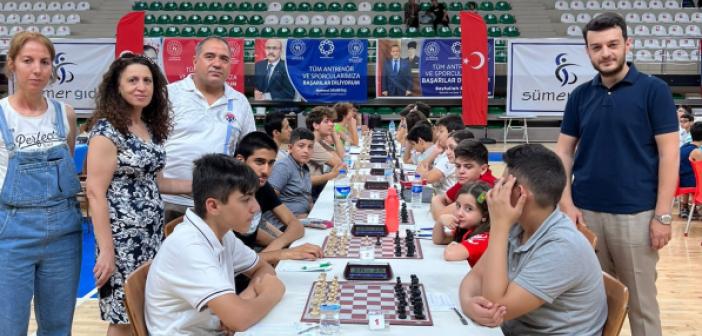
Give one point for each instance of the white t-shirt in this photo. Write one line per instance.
(200, 128)
(30, 133)
(191, 268)
(448, 169)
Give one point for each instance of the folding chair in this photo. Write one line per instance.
(697, 198)
(617, 305)
(170, 226)
(134, 290)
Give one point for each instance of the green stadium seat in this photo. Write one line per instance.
(140, 6)
(185, 6)
(209, 19)
(438, 111)
(155, 6)
(395, 20)
(363, 32)
(412, 32)
(334, 7)
(187, 31)
(226, 19)
(511, 31)
(304, 7)
(366, 110)
(395, 7)
(289, 7)
(251, 32)
(241, 20)
(146, 31)
(229, 6)
(179, 19)
(496, 109)
(194, 19)
(457, 31)
(348, 32)
(424, 6)
(164, 19)
(486, 6)
(319, 7)
(444, 31)
(203, 31)
(456, 19)
(283, 32)
(380, 32)
(490, 19)
(267, 32)
(380, 20)
(215, 6)
(155, 31)
(350, 7)
(503, 6)
(201, 7)
(245, 6)
(455, 6)
(260, 7)
(315, 32)
(256, 20)
(507, 19)
(455, 110)
(149, 19)
(428, 31)
(172, 31)
(380, 7)
(500, 56)
(500, 43)
(384, 110)
(249, 44)
(395, 32)
(494, 31)
(220, 31)
(236, 31)
(299, 32)
(470, 5)
(331, 32)
(170, 6)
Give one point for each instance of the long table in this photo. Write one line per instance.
(436, 274)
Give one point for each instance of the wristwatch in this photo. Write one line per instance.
(664, 219)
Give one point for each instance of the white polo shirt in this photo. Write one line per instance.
(200, 128)
(448, 169)
(191, 268)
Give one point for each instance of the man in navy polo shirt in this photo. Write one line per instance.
(623, 123)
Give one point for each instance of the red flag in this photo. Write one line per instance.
(474, 50)
(130, 34)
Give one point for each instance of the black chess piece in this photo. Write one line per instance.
(377, 241)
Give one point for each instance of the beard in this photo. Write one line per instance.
(609, 73)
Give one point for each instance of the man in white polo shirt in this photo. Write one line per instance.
(208, 116)
(190, 285)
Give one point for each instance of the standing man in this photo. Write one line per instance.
(209, 116)
(396, 79)
(624, 126)
(271, 75)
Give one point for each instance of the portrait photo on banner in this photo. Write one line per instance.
(271, 80)
(397, 66)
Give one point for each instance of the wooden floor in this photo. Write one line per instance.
(679, 284)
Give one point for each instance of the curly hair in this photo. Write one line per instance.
(110, 105)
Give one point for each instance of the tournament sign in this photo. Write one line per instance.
(178, 55)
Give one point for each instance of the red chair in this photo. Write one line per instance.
(697, 196)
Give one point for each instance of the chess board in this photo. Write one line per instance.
(386, 250)
(356, 298)
(377, 216)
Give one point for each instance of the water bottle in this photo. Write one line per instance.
(329, 323)
(359, 131)
(342, 202)
(347, 156)
(391, 128)
(417, 190)
(389, 171)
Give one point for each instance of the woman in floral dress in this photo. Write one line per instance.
(125, 157)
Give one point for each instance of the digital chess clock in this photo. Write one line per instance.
(377, 147)
(370, 203)
(378, 159)
(379, 152)
(364, 272)
(369, 230)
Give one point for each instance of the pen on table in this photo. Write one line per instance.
(426, 229)
(308, 329)
(460, 316)
(423, 235)
(322, 265)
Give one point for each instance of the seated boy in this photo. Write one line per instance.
(540, 276)
(418, 108)
(277, 127)
(471, 161)
(436, 168)
(689, 152)
(190, 286)
(686, 121)
(328, 150)
(419, 141)
(258, 151)
(291, 177)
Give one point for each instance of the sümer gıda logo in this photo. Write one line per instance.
(61, 64)
(562, 73)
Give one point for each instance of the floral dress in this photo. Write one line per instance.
(135, 210)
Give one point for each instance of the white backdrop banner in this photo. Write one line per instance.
(79, 66)
(541, 73)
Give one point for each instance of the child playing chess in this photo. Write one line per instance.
(468, 227)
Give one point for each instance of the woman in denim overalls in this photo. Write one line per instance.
(40, 221)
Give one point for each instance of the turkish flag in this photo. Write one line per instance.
(474, 68)
(130, 34)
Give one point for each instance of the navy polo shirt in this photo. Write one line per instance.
(616, 161)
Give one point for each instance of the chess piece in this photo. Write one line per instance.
(377, 241)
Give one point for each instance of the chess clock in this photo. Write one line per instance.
(379, 146)
(378, 152)
(370, 203)
(376, 185)
(368, 271)
(377, 171)
(369, 230)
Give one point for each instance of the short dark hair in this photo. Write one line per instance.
(471, 149)
(217, 176)
(274, 122)
(688, 116)
(605, 21)
(413, 118)
(687, 108)
(253, 142)
(451, 122)
(461, 135)
(301, 133)
(317, 114)
(540, 170)
(421, 131)
(341, 110)
(696, 131)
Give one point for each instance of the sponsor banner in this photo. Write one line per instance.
(178, 55)
(475, 69)
(312, 70)
(79, 67)
(440, 68)
(541, 74)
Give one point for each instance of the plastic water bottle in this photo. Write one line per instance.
(389, 170)
(359, 131)
(342, 202)
(417, 190)
(347, 156)
(391, 127)
(329, 323)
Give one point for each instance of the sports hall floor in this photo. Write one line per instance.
(679, 275)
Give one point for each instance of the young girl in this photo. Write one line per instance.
(467, 230)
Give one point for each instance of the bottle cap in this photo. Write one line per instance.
(342, 171)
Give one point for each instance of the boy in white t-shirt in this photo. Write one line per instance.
(436, 168)
(190, 287)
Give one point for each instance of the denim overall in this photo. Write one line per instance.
(40, 236)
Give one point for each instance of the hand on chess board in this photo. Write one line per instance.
(449, 221)
(484, 312)
(306, 251)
